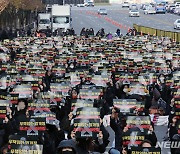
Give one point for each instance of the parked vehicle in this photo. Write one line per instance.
(43, 21)
(177, 24)
(61, 17)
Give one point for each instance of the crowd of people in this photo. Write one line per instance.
(14, 33)
(59, 94)
(86, 32)
(11, 33)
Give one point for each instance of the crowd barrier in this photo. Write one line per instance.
(157, 32)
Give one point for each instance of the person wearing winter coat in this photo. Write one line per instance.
(101, 33)
(66, 147)
(173, 133)
(91, 31)
(89, 144)
(83, 32)
(117, 125)
(4, 35)
(52, 137)
(118, 32)
(47, 79)
(109, 93)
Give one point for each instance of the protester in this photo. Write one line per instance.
(109, 36)
(37, 33)
(61, 94)
(4, 35)
(72, 32)
(91, 32)
(29, 32)
(118, 32)
(83, 32)
(101, 33)
(66, 147)
(48, 32)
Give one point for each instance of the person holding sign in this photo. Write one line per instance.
(147, 133)
(117, 125)
(19, 112)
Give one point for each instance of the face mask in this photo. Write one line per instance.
(125, 90)
(71, 66)
(161, 79)
(67, 152)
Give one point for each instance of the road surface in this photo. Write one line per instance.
(118, 17)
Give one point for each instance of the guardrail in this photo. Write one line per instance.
(157, 32)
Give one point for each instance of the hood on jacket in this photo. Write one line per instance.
(67, 144)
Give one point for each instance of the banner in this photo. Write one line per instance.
(159, 120)
(140, 123)
(24, 91)
(88, 113)
(60, 87)
(13, 98)
(78, 103)
(32, 126)
(86, 127)
(128, 106)
(5, 103)
(90, 94)
(22, 140)
(26, 149)
(133, 138)
(2, 113)
(54, 98)
(140, 150)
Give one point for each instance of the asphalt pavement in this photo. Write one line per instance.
(118, 17)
